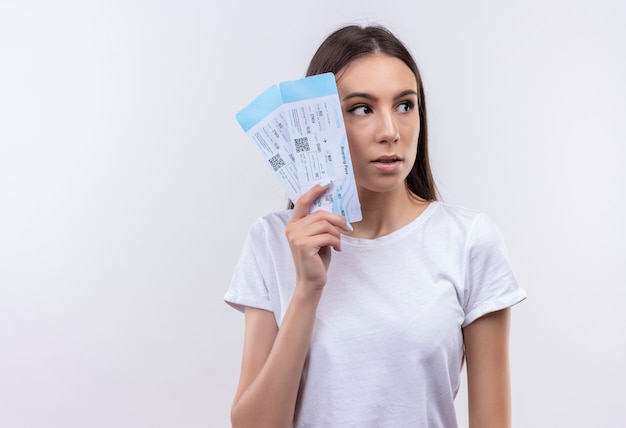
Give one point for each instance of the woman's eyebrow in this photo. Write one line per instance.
(373, 98)
(405, 93)
(360, 95)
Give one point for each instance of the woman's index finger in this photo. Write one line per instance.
(302, 206)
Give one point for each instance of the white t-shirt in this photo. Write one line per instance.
(387, 345)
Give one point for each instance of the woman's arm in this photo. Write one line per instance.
(272, 365)
(487, 355)
(273, 358)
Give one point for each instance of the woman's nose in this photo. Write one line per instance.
(387, 131)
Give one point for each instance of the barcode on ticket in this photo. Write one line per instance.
(302, 144)
(276, 162)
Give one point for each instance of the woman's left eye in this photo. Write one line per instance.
(406, 106)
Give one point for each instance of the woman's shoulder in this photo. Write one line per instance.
(458, 213)
(279, 218)
(271, 224)
(477, 226)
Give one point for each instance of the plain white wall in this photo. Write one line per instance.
(126, 190)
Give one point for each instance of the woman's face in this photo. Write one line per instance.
(378, 96)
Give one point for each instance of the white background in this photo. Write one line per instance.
(127, 187)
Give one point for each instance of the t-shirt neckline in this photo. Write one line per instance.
(396, 234)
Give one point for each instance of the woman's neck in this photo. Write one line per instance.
(384, 213)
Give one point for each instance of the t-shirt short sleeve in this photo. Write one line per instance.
(490, 284)
(247, 287)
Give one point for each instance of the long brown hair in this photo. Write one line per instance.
(351, 42)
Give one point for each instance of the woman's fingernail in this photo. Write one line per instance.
(349, 226)
(325, 183)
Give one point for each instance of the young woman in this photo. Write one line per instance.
(368, 325)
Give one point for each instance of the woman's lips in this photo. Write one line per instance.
(387, 163)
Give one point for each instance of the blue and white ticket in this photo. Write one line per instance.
(264, 123)
(319, 142)
(303, 138)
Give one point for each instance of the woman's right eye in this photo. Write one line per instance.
(360, 110)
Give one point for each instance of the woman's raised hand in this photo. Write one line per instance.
(311, 237)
